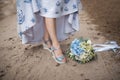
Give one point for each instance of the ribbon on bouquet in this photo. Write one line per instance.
(111, 45)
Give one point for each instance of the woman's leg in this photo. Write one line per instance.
(51, 27)
(46, 36)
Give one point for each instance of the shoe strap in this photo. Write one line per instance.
(60, 58)
(53, 48)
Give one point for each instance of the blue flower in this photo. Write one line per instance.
(45, 10)
(21, 16)
(75, 47)
(33, 20)
(56, 12)
(58, 3)
(66, 1)
(74, 6)
(20, 33)
(27, 1)
(66, 9)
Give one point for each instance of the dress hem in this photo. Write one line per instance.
(48, 16)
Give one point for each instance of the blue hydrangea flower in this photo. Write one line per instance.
(75, 47)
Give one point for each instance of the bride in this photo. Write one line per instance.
(48, 21)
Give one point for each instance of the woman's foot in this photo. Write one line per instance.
(58, 54)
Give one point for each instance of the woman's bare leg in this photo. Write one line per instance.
(51, 27)
(46, 36)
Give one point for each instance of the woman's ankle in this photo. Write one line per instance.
(46, 38)
(56, 45)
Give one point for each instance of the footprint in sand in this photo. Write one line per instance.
(2, 73)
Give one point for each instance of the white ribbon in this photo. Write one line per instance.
(111, 45)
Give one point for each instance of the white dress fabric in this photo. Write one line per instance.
(30, 15)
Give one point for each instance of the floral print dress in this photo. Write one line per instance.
(57, 8)
(30, 14)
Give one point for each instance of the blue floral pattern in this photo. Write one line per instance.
(58, 3)
(58, 7)
(45, 10)
(74, 6)
(33, 20)
(61, 7)
(21, 16)
(66, 1)
(27, 1)
(30, 12)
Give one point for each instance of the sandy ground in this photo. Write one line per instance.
(99, 21)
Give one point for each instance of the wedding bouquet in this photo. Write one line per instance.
(81, 50)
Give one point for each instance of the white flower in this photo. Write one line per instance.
(89, 42)
(83, 56)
